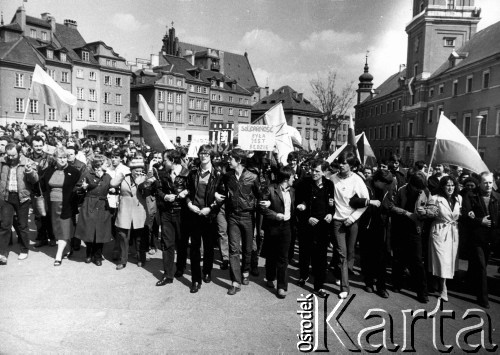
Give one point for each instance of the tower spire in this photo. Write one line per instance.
(366, 61)
(1, 21)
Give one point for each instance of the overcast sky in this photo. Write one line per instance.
(289, 42)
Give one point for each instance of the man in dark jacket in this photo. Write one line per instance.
(481, 214)
(240, 189)
(202, 184)
(315, 201)
(171, 190)
(278, 223)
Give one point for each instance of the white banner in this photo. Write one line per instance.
(256, 137)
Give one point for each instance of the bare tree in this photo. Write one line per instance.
(334, 102)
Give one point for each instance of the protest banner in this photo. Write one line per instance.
(256, 137)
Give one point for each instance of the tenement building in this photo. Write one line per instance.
(450, 68)
(299, 113)
(93, 72)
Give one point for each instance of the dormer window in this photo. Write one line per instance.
(449, 42)
(50, 54)
(33, 33)
(213, 82)
(85, 56)
(63, 57)
(44, 36)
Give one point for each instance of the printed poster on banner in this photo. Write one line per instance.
(256, 137)
(196, 142)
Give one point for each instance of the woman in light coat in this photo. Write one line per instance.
(131, 215)
(445, 207)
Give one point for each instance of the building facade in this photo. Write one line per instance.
(451, 69)
(93, 72)
(299, 113)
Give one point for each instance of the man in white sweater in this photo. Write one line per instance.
(345, 220)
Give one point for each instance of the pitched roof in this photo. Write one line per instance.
(289, 99)
(19, 52)
(69, 37)
(207, 75)
(180, 65)
(13, 27)
(38, 22)
(236, 66)
(482, 45)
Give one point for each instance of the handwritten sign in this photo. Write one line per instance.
(196, 142)
(256, 137)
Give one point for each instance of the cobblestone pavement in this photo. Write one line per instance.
(83, 308)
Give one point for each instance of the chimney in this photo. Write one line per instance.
(49, 18)
(21, 17)
(221, 62)
(70, 23)
(155, 60)
(402, 67)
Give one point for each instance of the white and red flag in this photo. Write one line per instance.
(151, 131)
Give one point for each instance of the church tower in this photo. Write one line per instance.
(365, 84)
(171, 43)
(436, 29)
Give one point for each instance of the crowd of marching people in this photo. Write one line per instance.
(246, 205)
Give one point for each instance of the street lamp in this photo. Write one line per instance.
(479, 119)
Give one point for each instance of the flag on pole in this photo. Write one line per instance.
(275, 117)
(152, 133)
(367, 156)
(453, 147)
(46, 89)
(351, 138)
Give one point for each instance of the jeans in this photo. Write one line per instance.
(140, 237)
(345, 241)
(313, 247)
(240, 228)
(278, 243)
(222, 231)
(7, 209)
(202, 229)
(172, 237)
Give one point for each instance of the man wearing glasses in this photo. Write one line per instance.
(202, 184)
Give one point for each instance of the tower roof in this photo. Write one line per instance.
(366, 77)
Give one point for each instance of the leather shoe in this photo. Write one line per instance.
(369, 289)
(120, 266)
(164, 281)
(88, 260)
(245, 281)
(302, 282)
(281, 293)
(383, 293)
(321, 293)
(207, 278)
(179, 273)
(270, 284)
(41, 243)
(233, 290)
(140, 264)
(98, 262)
(224, 265)
(255, 271)
(195, 286)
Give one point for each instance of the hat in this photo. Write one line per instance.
(136, 163)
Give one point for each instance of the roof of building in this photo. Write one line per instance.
(235, 66)
(180, 65)
(19, 51)
(208, 75)
(388, 86)
(37, 22)
(105, 128)
(69, 37)
(482, 45)
(12, 26)
(290, 100)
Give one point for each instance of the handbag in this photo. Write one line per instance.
(40, 204)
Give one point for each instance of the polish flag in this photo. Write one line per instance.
(151, 131)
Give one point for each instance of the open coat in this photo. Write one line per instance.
(132, 208)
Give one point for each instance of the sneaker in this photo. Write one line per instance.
(22, 256)
(3, 260)
(281, 293)
(343, 295)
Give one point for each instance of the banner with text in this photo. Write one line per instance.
(256, 137)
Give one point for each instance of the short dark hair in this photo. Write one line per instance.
(420, 164)
(72, 146)
(349, 158)
(319, 162)
(6, 138)
(37, 139)
(239, 155)
(207, 148)
(284, 174)
(292, 156)
(173, 155)
(394, 158)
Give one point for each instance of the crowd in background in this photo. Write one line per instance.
(415, 221)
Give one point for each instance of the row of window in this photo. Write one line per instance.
(170, 97)
(198, 89)
(198, 120)
(460, 86)
(219, 97)
(308, 133)
(170, 115)
(308, 120)
(198, 104)
(217, 110)
(376, 110)
(80, 95)
(385, 132)
(65, 75)
(170, 81)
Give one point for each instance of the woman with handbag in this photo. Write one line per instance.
(59, 185)
(94, 221)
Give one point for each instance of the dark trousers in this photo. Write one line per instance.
(407, 248)
(479, 256)
(202, 229)
(240, 230)
(44, 228)
(7, 209)
(313, 247)
(222, 234)
(172, 237)
(278, 244)
(293, 239)
(94, 250)
(345, 242)
(373, 255)
(137, 235)
(153, 234)
(256, 245)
